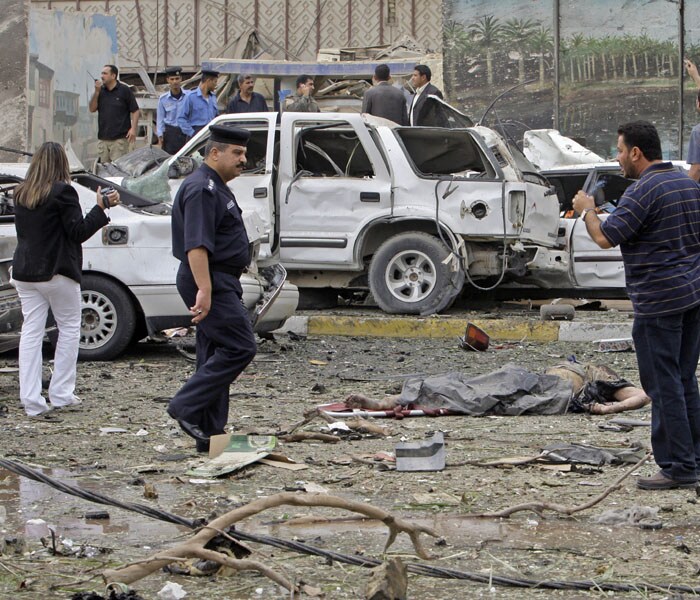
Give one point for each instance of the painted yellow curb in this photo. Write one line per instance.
(431, 327)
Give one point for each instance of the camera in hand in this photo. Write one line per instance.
(105, 192)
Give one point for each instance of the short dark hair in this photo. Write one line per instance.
(382, 73)
(114, 70)
(423, 70)
(210, 145)
(644, 136)
(208, 76)
(303, 79)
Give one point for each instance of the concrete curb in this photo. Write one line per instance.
(512, 329)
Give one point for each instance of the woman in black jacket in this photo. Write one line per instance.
(46, 271)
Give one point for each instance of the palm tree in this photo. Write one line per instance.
(542, 43)
(575, 49)
(519, 33)
(486, 32)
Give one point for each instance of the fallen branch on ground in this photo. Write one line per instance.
(302, 436)
(540, 507)
(194, 547)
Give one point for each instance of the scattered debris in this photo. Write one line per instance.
(229, 453)
(634, 515)
(96, 515)
(389, 581)
(557, 312)
(615, 345)
(150, 491)
(422, 456)
(474, 338)
(171, 591)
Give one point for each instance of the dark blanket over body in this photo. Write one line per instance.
(510, 390)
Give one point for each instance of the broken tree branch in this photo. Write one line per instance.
(302, 436)
(194, 547)
(540, 507)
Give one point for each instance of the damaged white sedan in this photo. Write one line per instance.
(128, 287)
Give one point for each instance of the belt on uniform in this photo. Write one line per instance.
(224, 268)
(173, 127)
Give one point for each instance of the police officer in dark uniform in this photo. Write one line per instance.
(210, 241)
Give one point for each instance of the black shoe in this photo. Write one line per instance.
(202, 446)
(191, 429)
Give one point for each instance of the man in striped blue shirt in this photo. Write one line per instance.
(657, 226)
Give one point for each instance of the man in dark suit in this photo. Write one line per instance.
(421, 111)
(385, 100)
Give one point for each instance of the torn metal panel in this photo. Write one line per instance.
(547, 148)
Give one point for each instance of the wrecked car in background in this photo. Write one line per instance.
(128, 287)
(416, 215)
(10, 307)
(355, 202)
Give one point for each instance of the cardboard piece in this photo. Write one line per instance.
(281, 461)
(228, 453)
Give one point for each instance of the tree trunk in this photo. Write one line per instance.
(489, 66)
(605, 66)
(542, 71)
(521, 68)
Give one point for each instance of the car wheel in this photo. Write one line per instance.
(108, 319)
(407, 275)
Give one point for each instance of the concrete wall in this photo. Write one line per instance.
(13, 77)
(590, 65)
(158, 33)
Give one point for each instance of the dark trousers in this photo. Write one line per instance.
(173, 139)
(667, 354)
(225, 347)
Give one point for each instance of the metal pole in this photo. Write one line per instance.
(681, 48)
(556, 33)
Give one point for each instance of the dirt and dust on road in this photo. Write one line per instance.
(120, 442)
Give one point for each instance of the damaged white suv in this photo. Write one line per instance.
(128, 287)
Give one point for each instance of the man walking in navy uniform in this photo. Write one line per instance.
(210, 241)
(170, 136)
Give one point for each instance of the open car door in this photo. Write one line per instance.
(593, 266)
(254, 189)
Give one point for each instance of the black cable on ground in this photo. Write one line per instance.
(361, 561)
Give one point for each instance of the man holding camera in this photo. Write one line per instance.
(657, 226)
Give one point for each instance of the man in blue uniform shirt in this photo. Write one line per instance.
(170, 136)
(199, 106)
(210, 241)
(657, 226)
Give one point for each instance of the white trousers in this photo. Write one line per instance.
(62, 295)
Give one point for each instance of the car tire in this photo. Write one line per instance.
(407, 275)
(108, 319)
